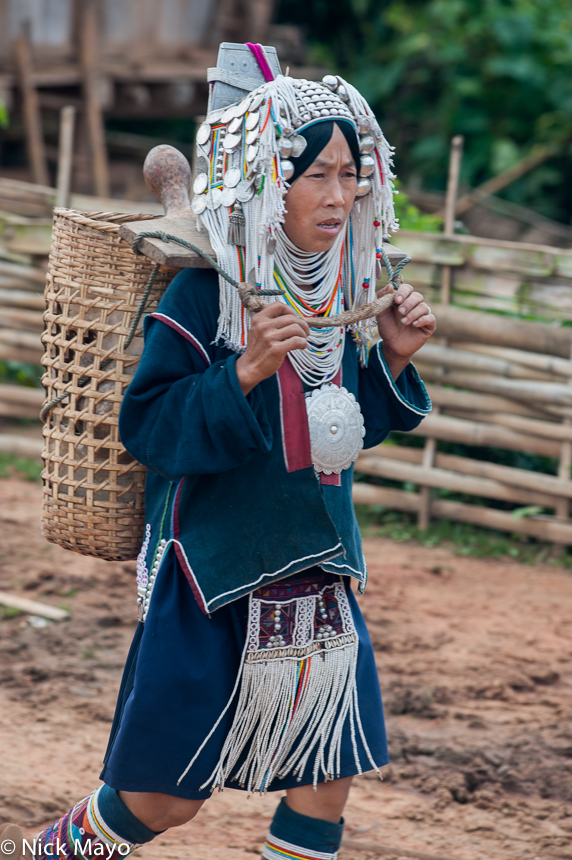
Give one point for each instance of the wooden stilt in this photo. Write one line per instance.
(32, 115)
(65, 155)
(95, 124)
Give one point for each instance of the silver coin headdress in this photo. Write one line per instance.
(242, 170)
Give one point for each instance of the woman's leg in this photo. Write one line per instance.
(326, 801)
(160, 811)
(308, 823)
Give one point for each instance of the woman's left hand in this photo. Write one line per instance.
(404, 327)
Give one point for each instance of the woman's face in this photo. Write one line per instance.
(320, 200)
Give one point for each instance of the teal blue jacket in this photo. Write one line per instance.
(217, 487)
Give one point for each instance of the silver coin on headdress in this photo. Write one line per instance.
(232, 177)
(201, 183)
(201, 165)
(199, 204)
(234, 125)
(205, 149)
(228, 114)
(231, 141)
(216, 197)
(287, 169)
(228, 196)
(251, 152)
(251, 136)
(244, 191)
(209, 200)
(252, 120)
(203, 133)
(256, 102)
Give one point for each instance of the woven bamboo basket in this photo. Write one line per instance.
(93, 500)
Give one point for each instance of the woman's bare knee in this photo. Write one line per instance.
(160, 811)
(326, 801)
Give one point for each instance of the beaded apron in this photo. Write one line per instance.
(296, 686)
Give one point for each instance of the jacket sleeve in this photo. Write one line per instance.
(389, 404)
(184, 415)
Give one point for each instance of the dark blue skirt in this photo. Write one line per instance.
(179, 676)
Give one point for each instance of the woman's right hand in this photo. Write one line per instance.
(274, 331)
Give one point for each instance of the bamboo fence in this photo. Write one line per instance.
(495, 382)
(499, 388)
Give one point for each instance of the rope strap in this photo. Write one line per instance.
(251, 298)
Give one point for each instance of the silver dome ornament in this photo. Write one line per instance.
(336, 428)
(270, 244)
(299, 144)
(201, 183)
(363, 187)
(287, 169)
(285, 147)
(364, 126)
(367, 144)
(330, 81)
(343, 93)
(367, 165)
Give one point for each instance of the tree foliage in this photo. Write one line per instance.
(497, 71)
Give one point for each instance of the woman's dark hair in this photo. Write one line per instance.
(318, 136)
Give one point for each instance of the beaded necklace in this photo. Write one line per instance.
(313, 284)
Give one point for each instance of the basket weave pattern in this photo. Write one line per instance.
(93, 499)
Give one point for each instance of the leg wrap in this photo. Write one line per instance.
(298, 837)
(98, 826)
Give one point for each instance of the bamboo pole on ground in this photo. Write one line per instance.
(65, 156)
(95, 124)
(31, 111)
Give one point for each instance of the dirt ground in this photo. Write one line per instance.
(475, 662)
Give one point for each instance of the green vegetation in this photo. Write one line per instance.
(19, 467)
(497, 71)
(410, 218)
(23, 374)
(3, 115)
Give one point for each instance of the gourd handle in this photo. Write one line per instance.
(167, 174)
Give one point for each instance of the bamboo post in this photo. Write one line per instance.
(430, 449)
(65, 155)
(450, 206)
(31, 111)
(95, 124)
